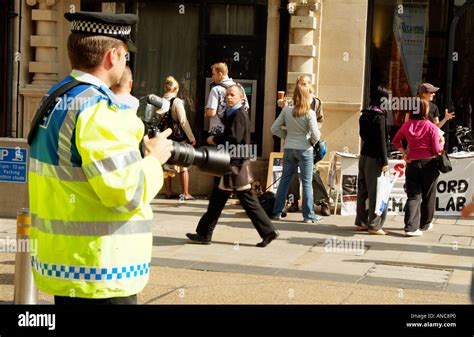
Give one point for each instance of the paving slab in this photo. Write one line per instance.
(299, 255)
(455, 240)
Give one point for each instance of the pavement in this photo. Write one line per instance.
(324, 263)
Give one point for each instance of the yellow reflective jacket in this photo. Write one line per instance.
(90, 194)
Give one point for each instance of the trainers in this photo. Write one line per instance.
(196, 238)
(427, 227)
(317, 219)
(325, 211)
(415, 233)
(276, 217)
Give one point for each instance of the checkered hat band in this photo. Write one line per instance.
(101, 28)
(90, 274)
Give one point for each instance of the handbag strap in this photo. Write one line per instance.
(47, 104)
(170, 113)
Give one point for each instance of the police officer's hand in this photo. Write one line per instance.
(159, 147)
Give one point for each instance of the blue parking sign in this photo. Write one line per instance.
(13, 164)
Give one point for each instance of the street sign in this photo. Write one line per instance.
(13, 164)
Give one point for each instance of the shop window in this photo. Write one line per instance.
(232, 19)
(167, 42)
(408, 47)
(463, 71)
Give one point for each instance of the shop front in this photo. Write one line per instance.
(408, 45)
(184, 38)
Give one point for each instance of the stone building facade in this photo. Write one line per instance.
(325, 39)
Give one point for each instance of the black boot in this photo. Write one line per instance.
(325, 211)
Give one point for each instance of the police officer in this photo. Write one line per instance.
(90, 189)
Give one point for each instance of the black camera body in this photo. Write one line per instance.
(207, 159)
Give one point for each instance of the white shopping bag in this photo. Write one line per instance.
(384, 186)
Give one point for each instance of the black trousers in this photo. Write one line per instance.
(421, 180)
(369, 170)
(249, 202)
(64, 300)
(320, 194)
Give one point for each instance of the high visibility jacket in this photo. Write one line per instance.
(90, 194)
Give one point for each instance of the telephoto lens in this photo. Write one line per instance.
(207, 159)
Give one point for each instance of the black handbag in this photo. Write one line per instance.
(177, 134)
(238, 175)
(444, 164)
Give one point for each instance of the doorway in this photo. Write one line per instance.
(235, 34)
(463, 70)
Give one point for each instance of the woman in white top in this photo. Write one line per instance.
(178, 113)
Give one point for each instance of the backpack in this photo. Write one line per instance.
(177, 134)
(245, 102)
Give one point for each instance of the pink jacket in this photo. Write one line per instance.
(422, 137)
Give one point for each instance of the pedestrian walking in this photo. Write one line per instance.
(238, 179)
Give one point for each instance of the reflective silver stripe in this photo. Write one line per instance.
(59, 172)
(91, 228)
(137, 197)
(111, 164)
(67, 128)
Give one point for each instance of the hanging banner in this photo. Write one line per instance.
(409, 31)
(454, 189)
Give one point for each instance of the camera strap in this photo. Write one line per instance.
(47, 105)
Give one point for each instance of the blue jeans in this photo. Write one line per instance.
(291, 160)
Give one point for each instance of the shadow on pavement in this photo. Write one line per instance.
(377, 245)
(162, 241)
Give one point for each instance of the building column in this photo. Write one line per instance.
(45, 65)
(304, 41)
(342, 72)
(48, 39)
(271, 75)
